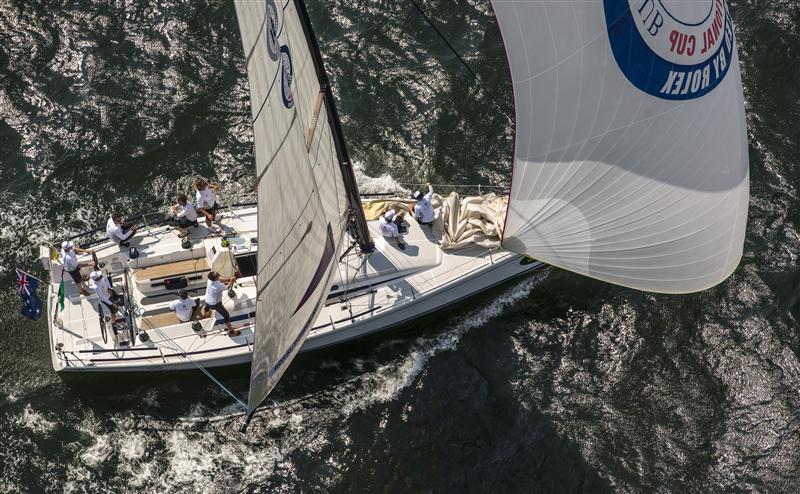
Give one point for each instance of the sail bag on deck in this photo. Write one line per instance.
(630, 160)
(469, 221)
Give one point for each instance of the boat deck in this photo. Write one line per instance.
(369, 293)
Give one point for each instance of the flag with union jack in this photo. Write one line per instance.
(31, 303)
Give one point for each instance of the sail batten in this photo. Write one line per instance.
(628, 145)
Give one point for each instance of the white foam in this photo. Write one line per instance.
(34, 421)
(134, 447)
(98, 452)
(376, 185)
(190, 459)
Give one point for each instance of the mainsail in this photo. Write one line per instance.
(630, 160)
(303, 173)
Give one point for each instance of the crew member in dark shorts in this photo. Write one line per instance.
(105, 293)
(69, 259)
(215, 288)
(206, 199)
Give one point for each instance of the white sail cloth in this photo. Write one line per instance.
(302, 203)
(471, 221)
(630, 160)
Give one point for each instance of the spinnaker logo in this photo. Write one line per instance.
(272, 30)
(287, 74)
(671, 49)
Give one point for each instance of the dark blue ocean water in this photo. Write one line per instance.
(556, 384)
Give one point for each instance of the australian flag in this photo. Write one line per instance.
(31, 304)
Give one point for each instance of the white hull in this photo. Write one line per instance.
(388, 289)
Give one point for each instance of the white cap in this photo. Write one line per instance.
(389, 215)
(67, 244)
(416, 194)
(96, 275)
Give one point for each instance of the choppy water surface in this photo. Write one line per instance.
(552, 383)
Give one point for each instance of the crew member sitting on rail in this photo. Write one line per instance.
(184, 215)
(105, 293)
(390, 223)
(423, 210)
(215, 288)
(119, 231)
(207, 199)
(184, 307)
(71, 265)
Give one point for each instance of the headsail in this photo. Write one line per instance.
(630, 160)
(303, 204)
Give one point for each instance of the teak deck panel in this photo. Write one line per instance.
(171, 269)
(163, 320)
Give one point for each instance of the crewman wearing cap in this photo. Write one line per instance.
(69, 260)
(423, 210)
(184, 307)
(105, 293)
(390, 222)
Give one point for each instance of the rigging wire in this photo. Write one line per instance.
(463, 62)
(175, 346)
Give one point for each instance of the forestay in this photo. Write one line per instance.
(302, 202)
(630, 161)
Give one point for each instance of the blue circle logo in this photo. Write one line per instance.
(272, 30)
(671, 49)
(287, 76)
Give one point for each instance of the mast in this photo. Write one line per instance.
(358, 222)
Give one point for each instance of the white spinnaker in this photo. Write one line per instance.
(624, 170)
(302, 203)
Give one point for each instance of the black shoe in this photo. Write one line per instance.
(125, 244)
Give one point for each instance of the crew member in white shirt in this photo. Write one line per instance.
(69, 260)
(206, 199)
(184, 307)
(423, 210)
(184, 215)
(105, 293)
(215, 288)
(389, 224)
(119, 231)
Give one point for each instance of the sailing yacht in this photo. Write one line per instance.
(630, 166)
